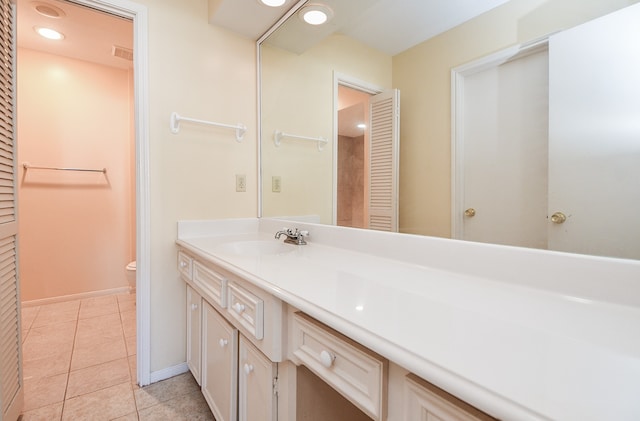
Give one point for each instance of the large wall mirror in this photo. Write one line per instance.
(518, 124)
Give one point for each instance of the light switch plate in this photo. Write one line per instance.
(276, 184)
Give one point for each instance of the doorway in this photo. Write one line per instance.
(366, 155)
(138, 168)
(352, 157)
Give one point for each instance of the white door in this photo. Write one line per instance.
(384, 156)
(504, 152)
(11, 386)
(594, 135)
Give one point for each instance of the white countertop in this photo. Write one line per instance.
(512, 350)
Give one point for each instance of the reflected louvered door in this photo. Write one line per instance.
(10, 364)
(383, 160)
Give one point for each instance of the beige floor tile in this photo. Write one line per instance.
(47, 366)
(106, 327)
(46, 413)
(129, 323)
(126, 297)
(131, 345)
(165, 390)
(99, 352)
(28, 315)
(129, 417)
(57, 313)
(127, 302)
(98, 306)
(49, 340)
(191, 407)
(133, 370)
(101, 376)
(105, 404)
(44, 391)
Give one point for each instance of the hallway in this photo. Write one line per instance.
(79, 363)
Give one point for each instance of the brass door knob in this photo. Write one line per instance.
(471, 212)
(558, 218)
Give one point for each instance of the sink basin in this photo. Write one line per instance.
(256, 248)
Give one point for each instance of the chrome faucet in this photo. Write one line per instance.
(293, 236)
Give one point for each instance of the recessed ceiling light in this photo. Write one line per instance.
(48, 33)
(48, 10)
(315, 14)
(273, 3)
(362, 126)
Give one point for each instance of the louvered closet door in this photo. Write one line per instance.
(10, 364)
(383, 160)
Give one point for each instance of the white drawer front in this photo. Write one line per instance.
(425, 402)
(247, 309)
(211, 282)
(358, 375)
(185, 265)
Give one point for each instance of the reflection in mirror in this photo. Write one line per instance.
(299, 94)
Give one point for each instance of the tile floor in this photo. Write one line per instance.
(79, 363)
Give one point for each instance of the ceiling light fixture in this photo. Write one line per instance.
(273, 3)
(48, 33)
(315, 14)
(362, 126)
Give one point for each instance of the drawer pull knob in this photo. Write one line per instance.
(194, 307)
(327, 358)
(223, 342)
(239, 308)
(248, 368)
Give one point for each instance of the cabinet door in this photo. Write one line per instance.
(219, 364)
(194, 317)
(257, 394)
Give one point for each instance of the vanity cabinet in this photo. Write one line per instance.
(234, 341)
(194, 318)
(219, 364)
(246, 349)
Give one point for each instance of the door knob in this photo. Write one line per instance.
(471, 212)
(558, 218)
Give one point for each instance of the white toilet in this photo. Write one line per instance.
(131, 276)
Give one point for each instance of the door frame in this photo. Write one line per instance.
(458, 75)
(138, 14)
(359, 85)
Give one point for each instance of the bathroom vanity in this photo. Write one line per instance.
(404, 327)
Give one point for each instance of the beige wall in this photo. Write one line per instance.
(297, 97)
(199, 71)
(422, 74)
(75, 227)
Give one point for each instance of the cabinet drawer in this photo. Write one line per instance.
(185, 265)
(212, 283)
(424, 401)
(355, 372)
(247, 309)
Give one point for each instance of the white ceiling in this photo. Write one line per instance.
(89, 34)
(391, 26)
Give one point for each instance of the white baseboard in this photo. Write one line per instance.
(80, 296)
(168, 372)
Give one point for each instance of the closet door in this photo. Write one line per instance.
(10, 357)
(594, 136)
(384, 155)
